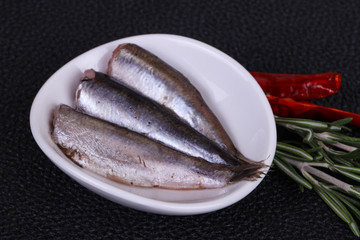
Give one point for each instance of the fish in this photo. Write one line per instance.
(149, 75)
(102, 97)
(127, 157)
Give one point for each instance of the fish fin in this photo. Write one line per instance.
(88, 74)
(241, 157)
(248, 171)
(244, 160)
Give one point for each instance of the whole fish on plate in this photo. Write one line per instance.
(131, 158)
(100, 96)
(146, 73)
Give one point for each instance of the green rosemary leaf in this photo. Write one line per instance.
(354, 191)
(291, 156)
(334, 128)
(352, 208)
(347, 168)
(313, 149)
(346, 128)
(294, 150)
(306, 123)
(329, 201)
(319, 157)
(354, 228)
(325, 138)
(353, 141)
(341, 122)
(347, 155)
(342, 162)
(350, 175)
(290, 171)
(351, 203)
(327, 159)
(342, 195)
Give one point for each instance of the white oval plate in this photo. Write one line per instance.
(231, 92)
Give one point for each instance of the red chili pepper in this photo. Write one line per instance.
(299, 86)
(287, 107)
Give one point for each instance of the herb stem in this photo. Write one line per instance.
(344, 147)
(303, 166)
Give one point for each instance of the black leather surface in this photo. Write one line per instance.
(38, 201)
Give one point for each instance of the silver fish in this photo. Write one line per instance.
(144, 72)
(128, 157)
(101, 97)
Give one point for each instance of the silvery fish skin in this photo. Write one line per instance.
(128, 157)
(146, 73)
(101, 97)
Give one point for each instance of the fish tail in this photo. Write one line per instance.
(238, 155)
(248, 171)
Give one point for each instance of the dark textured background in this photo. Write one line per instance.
(38, 201)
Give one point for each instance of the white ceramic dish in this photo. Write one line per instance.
(231, 92)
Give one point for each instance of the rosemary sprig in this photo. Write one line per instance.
(324, 146)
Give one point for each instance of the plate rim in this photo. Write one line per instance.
(131, 199)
